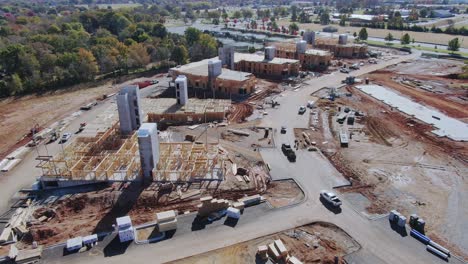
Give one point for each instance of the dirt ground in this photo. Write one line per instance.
(313, 243)
(19, 115)
(394, 160)
(96, 211)
(242, 110)
(283, 193)
(441, 39)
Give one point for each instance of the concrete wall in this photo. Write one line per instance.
(226, 55)
(309, 37)
(301, 46)
(270, 53)
(148, 143)
(128, 105)
(181, 87)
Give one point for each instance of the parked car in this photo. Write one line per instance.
(283, 130)
(285, 148)
(344, 70)
(65, 137)
(330, 198)
(302, 110)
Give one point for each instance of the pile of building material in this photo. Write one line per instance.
(26, 255)
(166, 220)
(278, 253)
(209, 205)
(16, 227)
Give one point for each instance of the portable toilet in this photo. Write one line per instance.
(402, 221)
(90, 240)
(74, 244)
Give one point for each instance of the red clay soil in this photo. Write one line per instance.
(94, 212)
(441, 102)
(239, 112)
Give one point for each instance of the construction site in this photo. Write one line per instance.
(395, 158)
(206, 153)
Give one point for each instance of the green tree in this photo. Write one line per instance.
(423, 12)
(293, 13)
(343, 20)
(389, 37)
(454, 45)
(363, 34)
(179, 55)
(247, 13)
(293, 27)
(205, 47)
(192, 35)
(325, 18)
(405, 39)
(15, 85)
(237, 14)
(252, 49)
(86, 65)
(159, 30)
(138, 56)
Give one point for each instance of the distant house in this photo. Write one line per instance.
(442, 13)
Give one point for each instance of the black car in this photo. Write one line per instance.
(283, 130)
(288, 152)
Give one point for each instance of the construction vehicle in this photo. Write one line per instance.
(82, 127)
(53, 136)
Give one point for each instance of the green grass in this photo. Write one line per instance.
(413, 46)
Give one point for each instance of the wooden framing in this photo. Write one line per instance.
(188, 162)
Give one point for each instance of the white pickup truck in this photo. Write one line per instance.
(331, 198)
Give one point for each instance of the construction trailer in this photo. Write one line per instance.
(344, 139)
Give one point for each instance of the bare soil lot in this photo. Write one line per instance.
(19, 115)
(313, 243)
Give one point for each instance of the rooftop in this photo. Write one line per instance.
(194, 105)
(200, 68)
(260, 58)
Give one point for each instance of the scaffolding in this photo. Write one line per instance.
(189, 162)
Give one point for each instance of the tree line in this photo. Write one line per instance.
(54, 48)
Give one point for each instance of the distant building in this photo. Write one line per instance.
(440, 13)
(228, 81)
(267, 66)
(310, 59)
(342, 50)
